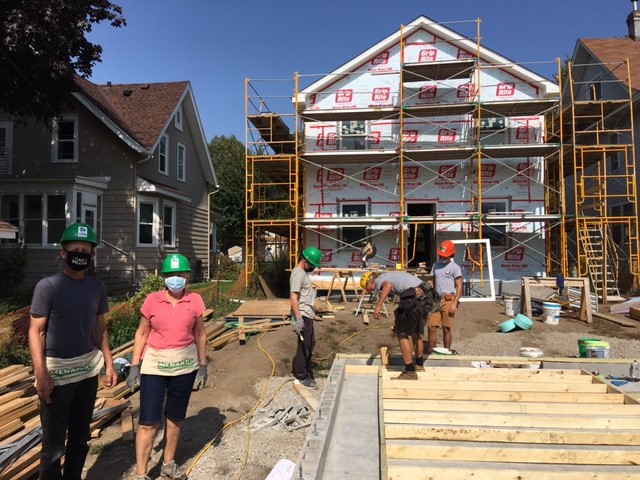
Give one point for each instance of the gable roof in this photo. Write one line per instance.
(548, 87)
(612, 51)
(140, 114)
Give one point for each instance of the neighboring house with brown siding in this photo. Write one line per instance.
(130, 160)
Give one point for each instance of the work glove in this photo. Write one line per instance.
(299, 325)
(201, 378)
(133, 379)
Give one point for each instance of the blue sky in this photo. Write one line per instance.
(215, 45)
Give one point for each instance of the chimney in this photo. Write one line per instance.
(633, 22)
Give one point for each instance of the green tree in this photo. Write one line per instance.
(228, 204)
(43, 47)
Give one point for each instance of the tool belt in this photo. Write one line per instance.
(430, 298)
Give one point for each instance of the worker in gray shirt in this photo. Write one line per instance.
(410, 316)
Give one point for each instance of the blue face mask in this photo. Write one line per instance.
(175, 284)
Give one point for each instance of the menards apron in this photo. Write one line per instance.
(170, 361)
(70, 370)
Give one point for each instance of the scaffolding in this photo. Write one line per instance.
(595, 126)
(572, 139)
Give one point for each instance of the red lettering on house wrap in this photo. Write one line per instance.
(394, 254)
(522, 132)
(312, 99)
(448, 171)
(516, 254)
(410, 136)
(344, 96)
(410, 173)
(374, 138)
(335, 175)
(466, 90)
(380, 94)
(427, 92)
(488, 169)
(447, 135)
(428, 55)
(463, 54)
(381, 59)
(372, 174)
(506, 89)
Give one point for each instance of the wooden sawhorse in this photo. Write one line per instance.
(343, 277)
(550, 282)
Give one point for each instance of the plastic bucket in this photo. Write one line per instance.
(582, 345)
(598, 350)
(511, 306)
(551, 313)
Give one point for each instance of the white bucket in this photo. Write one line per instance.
(511, 306)
(551, 313)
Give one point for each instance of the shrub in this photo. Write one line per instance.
(13, 353)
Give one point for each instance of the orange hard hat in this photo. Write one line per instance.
(447, 249)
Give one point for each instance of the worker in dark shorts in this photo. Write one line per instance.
(410, 315)
(447, 279)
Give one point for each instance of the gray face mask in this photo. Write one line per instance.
(78, 261)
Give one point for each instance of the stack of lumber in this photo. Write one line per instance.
(220, 333)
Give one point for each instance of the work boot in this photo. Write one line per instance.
(172, 471)
(407, 375)
(310, 383)
(420, 368)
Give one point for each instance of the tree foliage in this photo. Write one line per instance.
(43, 46)
(228, 204)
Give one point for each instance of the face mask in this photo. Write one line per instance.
(309, 269)
(175, 284)
(78, 261)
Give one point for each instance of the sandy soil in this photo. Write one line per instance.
(256, 375)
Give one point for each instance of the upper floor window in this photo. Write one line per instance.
(595, 89)
(6, 141)
(495, 232)
(64, 141)
(182, 163)
(163, 155)
(169, 224)
(44, 218)
(178, 118)
(353, 236)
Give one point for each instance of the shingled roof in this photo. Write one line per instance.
(612, 51)
(141, 110)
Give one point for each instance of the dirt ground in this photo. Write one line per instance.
(235, 370)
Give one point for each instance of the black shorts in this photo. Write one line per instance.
(410, 314)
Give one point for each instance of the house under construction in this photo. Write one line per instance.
(428, 136)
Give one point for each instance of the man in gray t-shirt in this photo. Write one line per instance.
(302, 297)
(447, 279)
(410, 315)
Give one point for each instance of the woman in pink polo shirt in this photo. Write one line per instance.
(172, 342)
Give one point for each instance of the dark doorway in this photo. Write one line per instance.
(421, 235)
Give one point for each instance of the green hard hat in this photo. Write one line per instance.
(175, 263)
(79, 232)
(313, 256)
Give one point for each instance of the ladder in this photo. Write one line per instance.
(601, 260)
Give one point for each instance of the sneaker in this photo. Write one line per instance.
(420, 368)
(307, 382)
(172, 471)
(407, 375)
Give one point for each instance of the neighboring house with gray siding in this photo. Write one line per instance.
(600, 74)
(130, 160)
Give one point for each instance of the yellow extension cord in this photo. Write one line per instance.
(262, 394)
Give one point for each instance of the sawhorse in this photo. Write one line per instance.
(550, 282)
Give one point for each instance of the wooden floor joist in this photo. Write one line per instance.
(500, 423)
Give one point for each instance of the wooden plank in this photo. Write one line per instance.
(513, 386)
(25, 467)
(494, 374)
(126, 424)
(11, 405)
(501, 472)
(510, 435)
(483, 452)
(306, 395)
(361, 369)
(616, 319)
(512, 420)
(505, 396)
(23, 412)
(114, 391)
(242, 334)
(512, 407)
(10, 428)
